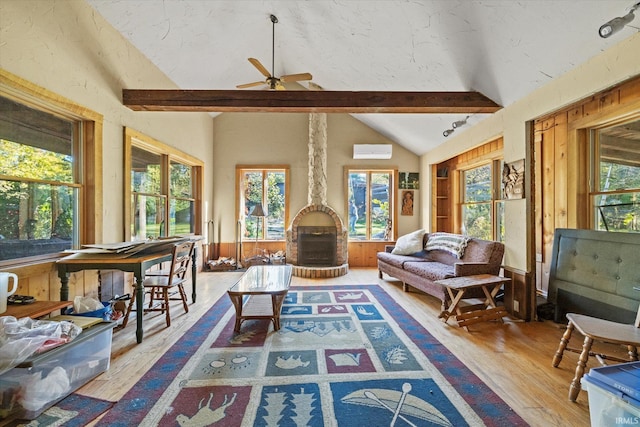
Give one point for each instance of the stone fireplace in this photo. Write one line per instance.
(317, 226)
(317, 238)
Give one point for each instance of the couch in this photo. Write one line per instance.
(439, 256)
(596, 273)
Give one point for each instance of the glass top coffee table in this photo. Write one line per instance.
(260, 292)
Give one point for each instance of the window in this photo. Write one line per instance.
(370, 197)
(181, 200)
(41, 183)
(482, 213)
(269, 188)
(615, 194)
(164, 189)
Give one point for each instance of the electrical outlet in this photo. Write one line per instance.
(516, 305)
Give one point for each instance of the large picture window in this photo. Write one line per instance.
(164, 187)
(39, 182)
(265, 188)
(481, 210)
(616, 178)
(370, 207)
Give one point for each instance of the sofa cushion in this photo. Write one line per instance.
(409, 243)
(455, 244)
(432, 270)
(399, 260)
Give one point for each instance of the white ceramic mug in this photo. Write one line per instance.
(4, 289)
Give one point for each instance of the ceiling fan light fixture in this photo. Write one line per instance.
(273, 82)
(616, 24)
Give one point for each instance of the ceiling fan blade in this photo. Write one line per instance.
(260, 67)
(296, 77)
(246, 85)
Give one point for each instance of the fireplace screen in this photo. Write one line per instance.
(317, 246)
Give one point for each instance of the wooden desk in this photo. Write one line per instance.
(265, 287)
(136, 264)
(488, 310)
(35, 309)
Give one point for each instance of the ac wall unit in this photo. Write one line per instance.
(371, 151)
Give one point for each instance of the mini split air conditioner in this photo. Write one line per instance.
(371, 151)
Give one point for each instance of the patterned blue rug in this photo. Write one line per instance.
(74, 410)
(344, 356)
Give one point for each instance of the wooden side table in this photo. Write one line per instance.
(36, 309)
(488, 310)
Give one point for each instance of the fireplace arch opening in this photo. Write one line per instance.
(317, 238)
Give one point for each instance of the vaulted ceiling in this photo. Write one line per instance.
(503, 49)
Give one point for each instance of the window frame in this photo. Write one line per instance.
(167, 154)
(392, 200)
(496, 202)
(594, 160)
(87, 165)
(241, 170)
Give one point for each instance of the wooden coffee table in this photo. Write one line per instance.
(260, 292)
(488, 310)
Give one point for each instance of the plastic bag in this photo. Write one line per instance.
(38, 391)
(21, 338)
(86, 304)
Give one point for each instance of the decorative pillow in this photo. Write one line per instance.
(409, 243)
(455, 244)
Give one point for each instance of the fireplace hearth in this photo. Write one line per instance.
(323, 252)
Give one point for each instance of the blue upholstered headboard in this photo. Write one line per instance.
(595, 273)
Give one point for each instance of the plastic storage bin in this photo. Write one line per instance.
(613, 394)
(43, 380)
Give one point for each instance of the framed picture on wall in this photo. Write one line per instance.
(407, 203)
(409, 180)
(513, 180)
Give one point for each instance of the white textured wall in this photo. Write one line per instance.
(282, 139)
(67, 48)
(605, 70)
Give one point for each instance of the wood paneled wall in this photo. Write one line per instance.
(361, 254)
(561, 165)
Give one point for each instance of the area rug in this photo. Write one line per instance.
(74, 410)
(344, 356)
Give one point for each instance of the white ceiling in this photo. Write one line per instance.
(504, 49)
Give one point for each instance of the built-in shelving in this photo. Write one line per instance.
(441, 203)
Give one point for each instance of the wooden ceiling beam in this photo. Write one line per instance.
(307, 101)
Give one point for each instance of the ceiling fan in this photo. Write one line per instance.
(274, 83)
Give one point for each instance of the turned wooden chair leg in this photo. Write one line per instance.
(183, 295)
(564, 341)
(126, 316)
(165, 296)
(575, 387)
(152, 298)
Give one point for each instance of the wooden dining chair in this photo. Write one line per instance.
(169, 286)
(595, 329)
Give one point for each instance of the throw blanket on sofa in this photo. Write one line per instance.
(455, 244)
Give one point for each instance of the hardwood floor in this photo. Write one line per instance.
(513, 358)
